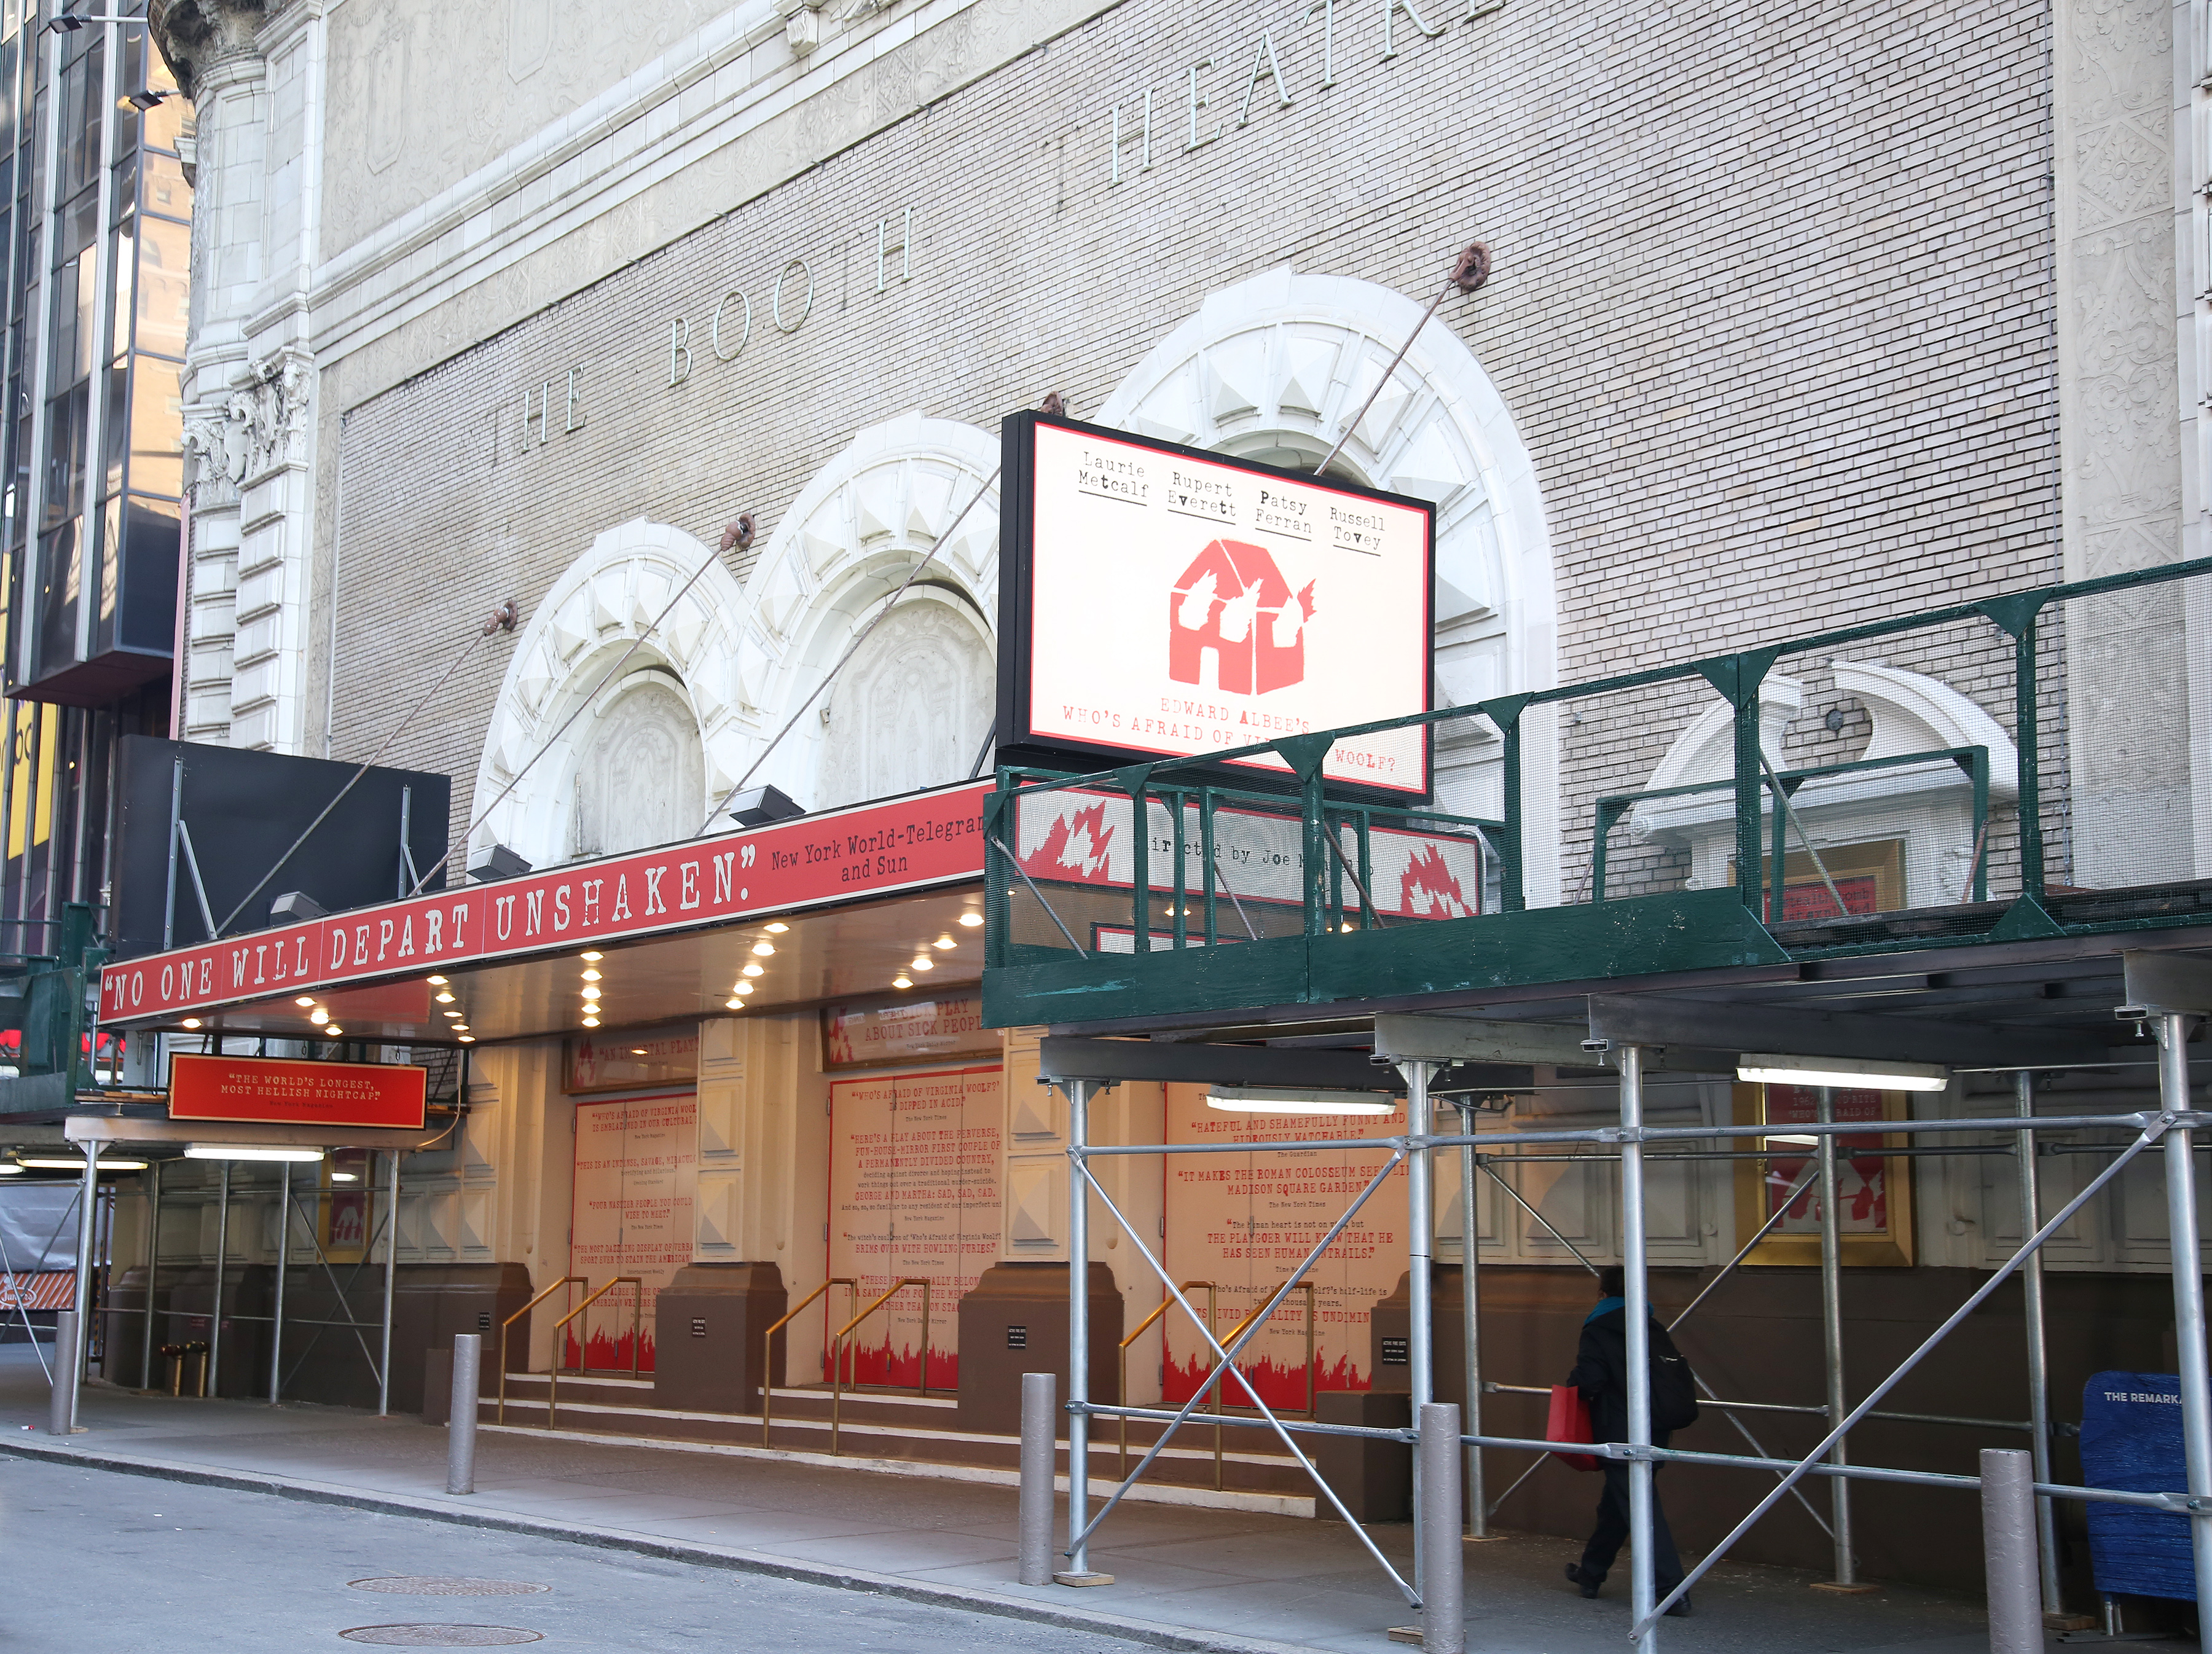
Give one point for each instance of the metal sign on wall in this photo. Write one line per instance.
(1160, 601)
(278, 1092)
(602, 1061)
(871, 850)
(909, 1031)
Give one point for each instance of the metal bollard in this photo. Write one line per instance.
(461, 1422)
(1039, 1417)
(2009, 1551)
(1443, 1614)
(63, 1411)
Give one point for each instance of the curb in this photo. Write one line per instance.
(1149, 1633)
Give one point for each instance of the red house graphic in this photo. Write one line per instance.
(1233, 601)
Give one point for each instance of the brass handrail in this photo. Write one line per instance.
(1144, 1327)
(837, 1360)
(767, 1341)
(636, 1306)
(565, 1281)
(1236, 1332)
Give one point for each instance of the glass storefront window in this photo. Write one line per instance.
(157, 466)
(165, 290)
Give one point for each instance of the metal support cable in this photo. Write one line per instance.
(574, 713)
(851, 649)
(2150, 1134)
(1469, 271)
(1790, 814)
(502, 619)
(999, 845)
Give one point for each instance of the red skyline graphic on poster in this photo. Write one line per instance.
(1280, 1386)
(1075, 842)
(1428, 887)
(1234, 601)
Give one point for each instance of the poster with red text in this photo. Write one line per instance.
(637, 1179)
(914, 1196)
(1245, 1221)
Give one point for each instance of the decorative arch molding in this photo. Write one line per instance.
(1273, 368)
(1924, 806)
(858, 529)
(601, 604)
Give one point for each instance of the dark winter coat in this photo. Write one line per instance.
(1601, 1369)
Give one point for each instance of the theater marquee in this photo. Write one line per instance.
(1159, 601)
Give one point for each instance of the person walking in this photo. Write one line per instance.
(1601, 1375)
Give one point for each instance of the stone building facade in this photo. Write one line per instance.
(1797, 318)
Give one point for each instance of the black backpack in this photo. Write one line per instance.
(1674, 1386)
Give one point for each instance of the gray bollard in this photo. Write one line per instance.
(1039, 1433)
(1443, 1612)
(2009, 1551)
(62, 1412)
(461, 1422)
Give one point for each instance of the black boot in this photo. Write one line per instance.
(1590, 1586)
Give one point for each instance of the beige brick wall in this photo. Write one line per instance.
(1773, 309)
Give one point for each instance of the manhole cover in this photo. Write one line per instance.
(417, 1584)
(440, 1636)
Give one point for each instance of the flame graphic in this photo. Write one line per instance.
(1429, 888)
(1077, 841)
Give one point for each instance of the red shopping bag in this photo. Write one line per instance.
(1570, 1421)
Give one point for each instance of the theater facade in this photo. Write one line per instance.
(692, 335)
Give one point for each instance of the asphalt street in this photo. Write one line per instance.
(102, 1563)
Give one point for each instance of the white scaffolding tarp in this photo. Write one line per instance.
(38, 1228)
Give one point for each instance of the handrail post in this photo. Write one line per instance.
(2024, 734)
(565, 1281)
(1778, 882)
(1140, 880)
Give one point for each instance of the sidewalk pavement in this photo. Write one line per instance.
(1185, 1578)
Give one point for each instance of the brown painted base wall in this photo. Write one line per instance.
(709, 1354)
(1758, 1338)
(993, 1356)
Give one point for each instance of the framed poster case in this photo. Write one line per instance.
(1874, 1188)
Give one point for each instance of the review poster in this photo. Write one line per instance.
(1245, 1221)
(636, 1178)
(914, 1194)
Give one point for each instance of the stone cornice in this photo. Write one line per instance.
(442, 246)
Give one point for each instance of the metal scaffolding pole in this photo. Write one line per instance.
(1079, 1572)
(153, 1267)
(391, 1262)
(2038, 1366)
(87, 1239)
(221, 1262)
(2188, 1288)
(1420, 1239)
(1832, 1347)
(1636, 1293)
(283, 1258)
(1470, 1325)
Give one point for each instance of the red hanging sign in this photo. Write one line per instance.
(272, 1091)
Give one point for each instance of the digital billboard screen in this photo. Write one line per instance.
(1159, 601)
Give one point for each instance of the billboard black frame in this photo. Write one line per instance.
(1017, 741)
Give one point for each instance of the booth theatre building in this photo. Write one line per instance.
(691, 330)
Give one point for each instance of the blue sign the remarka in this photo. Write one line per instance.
(2131, 1442)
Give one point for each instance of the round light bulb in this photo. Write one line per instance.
(591, 975)
(445, 996)
(763, 949)
(776, 927)
(435, 982)
(901, 982)
(591, 994)
(467, 1039)
(945, 941)
(591, 1022)
(591, 958)
(735, 1003)
(743, 988)
(923, 962)
(333, 1030)
(304, 999)
(971, 919)
(192, 1022)
(319, 1016)
(754, 970)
